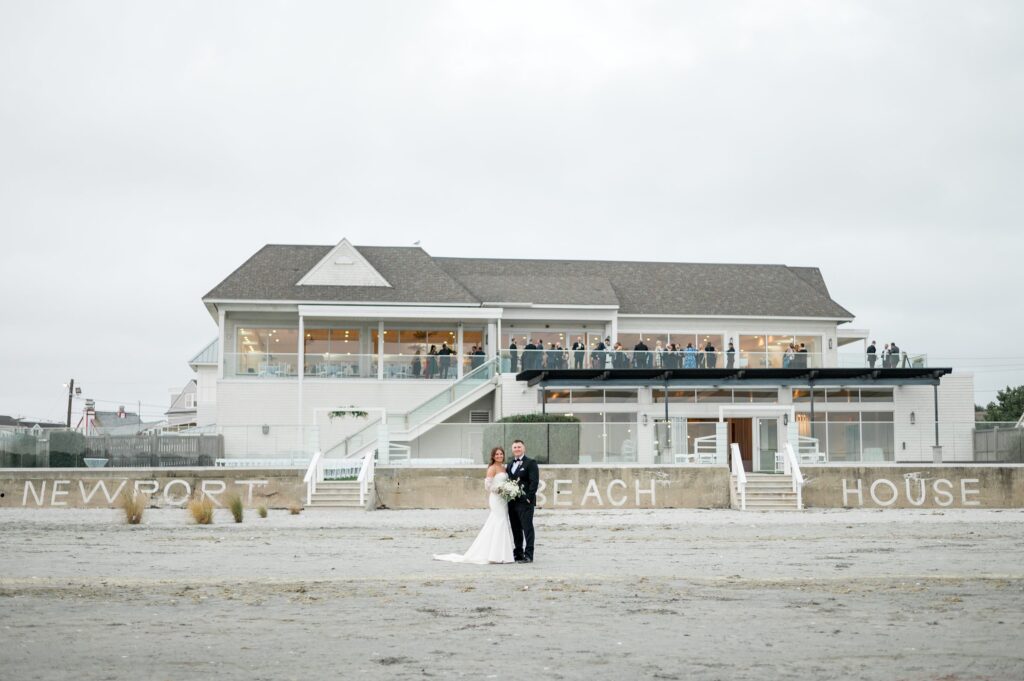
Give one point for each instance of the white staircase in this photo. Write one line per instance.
(338, 494)
(406, 427)
(768, 492)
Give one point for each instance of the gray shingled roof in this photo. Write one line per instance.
(274, 271)
(636, 287)
(678, 288)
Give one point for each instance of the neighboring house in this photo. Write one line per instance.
(303, 330)
(119, 422)
(183, 410)
(14, 424)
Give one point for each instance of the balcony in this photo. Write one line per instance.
(525, 360)
(348, 366)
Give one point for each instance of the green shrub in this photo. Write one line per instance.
(236, 506)
(67, 449)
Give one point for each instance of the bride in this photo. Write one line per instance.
(494, 543)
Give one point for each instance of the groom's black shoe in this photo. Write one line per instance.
(527, 559)
(522, 560)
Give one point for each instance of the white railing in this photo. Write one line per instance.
(793, 464)
(314, 474)
(706, 448)
(741, 475)
(807, 449)
(365, 477)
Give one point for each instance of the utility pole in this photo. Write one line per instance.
(71, 393)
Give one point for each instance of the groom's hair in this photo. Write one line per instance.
(520, 442)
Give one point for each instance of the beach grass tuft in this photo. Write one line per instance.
(237, 507)
(133, 503)
(201, 509)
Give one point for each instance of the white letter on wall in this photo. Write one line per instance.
(924, 491)
(964, 491)
(169, 486)
(890, 485)
(100, 485)
(541, 497)
(38, 496)
(948, 497)
(56, 492)
(858, 491)
(219, 484)
(557, 492)
(592, 491)
(153, 484)
(650, 492)
(251, 484)
(608, 493)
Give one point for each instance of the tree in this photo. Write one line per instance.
(1009, 405)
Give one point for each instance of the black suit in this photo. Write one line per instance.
(872, 355)
(520, 511)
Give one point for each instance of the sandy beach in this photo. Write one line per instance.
(613, 595)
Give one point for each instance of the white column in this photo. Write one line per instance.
(492, 339)
(645, 439)
(222, 330)
(614, 332)
(380, 350)
(458, 352)
(301, 368)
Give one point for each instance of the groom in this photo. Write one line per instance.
(525, 472)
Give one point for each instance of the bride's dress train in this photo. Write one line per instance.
(494, 543)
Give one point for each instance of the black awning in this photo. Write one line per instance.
(716, 377)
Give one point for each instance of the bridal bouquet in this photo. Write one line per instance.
(509, 490)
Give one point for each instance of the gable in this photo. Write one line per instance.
(343, 266)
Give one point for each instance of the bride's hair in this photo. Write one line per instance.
(495, 451)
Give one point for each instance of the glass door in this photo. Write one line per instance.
(766, 443)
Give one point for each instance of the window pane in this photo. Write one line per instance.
(554, 396)
(876, 394)
(879, 442)
(844, 441)
(587, 395)
(317, 342)
(344, 341)
(675, 395)
(841, 395)
(620, 396)
(716, 396)
(841, 416)
(752, 396)
(879, 416)
(753, 353)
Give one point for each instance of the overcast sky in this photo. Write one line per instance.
(148, 149)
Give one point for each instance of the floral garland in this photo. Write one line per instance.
(350, 411)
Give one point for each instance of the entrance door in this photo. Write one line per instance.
(766, 443)
(741, 431)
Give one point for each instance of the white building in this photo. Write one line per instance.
(306, 330)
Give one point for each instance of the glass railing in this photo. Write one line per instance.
(329, 365)
(419, 367)
(463, 386)
(261, 364)
(524, 360)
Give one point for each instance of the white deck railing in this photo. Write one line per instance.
(706, 449)
(314, 474)
(365, 477)
(741, 475)
(793, 463)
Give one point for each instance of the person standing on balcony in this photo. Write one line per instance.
(894, 355)
(886, 357)
(689, 357)
(709, 354)
(578, 352)
(730, 356)
(597, 358)
(513, 354)
(802, 356)
(872, 355)
(432, 361)
(529, 359)
(445, 353)
(640, 356)
(417, 365)
(789, 359)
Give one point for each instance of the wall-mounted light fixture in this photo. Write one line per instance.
(785, 419)
(913, 418)
(266, 429)
(645, 419)
(829, 343)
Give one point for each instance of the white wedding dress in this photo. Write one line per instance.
(494, 543)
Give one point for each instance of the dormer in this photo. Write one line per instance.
(343, 266)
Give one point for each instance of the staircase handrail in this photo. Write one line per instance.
(314, 474)
(797, 476)
(741, 475)
(365, 477)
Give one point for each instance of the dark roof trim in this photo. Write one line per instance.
(726, 377)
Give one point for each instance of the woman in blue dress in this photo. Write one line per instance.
(689, 357)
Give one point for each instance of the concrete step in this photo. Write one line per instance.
(354, 507)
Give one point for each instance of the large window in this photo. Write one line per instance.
(851, 435)
(766, 350)
(266, 351)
